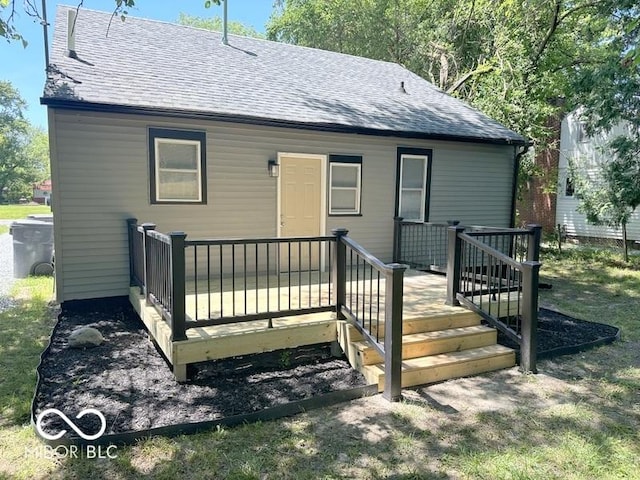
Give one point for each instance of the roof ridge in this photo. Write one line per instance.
(253, 39)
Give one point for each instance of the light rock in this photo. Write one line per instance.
(85, 337)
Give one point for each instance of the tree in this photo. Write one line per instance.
(24, 149)
(608, 196)
(512, 60)
(609, 96)
(216, 24)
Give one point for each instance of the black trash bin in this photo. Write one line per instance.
(32, 247)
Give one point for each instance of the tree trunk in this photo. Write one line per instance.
(624, 242)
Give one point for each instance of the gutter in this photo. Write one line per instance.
(519, 151)
(270, 122)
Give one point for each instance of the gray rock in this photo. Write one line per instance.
(85, 337)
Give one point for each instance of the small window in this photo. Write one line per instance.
(345, 177)
(413, 195)
(568, 187)
(178, 166)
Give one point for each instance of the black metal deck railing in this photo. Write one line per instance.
(239, 280)
(424, 245)
(495, 273)
(207, 282)
(421, 245)
(372, 297)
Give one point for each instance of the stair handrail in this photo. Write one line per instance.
(391, 347)
(495, 274)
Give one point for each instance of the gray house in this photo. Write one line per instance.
(249, 139)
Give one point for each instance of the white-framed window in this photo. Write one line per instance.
(413, 186)
(177, 162)
(345, 179)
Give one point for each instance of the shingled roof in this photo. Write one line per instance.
(150, 66)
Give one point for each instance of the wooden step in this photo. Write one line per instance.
(431, 343)
(436, 368)
(456, 317)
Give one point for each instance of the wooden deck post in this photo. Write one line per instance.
(132, 223)
(533, 252)
(454, 257)
(178, 289)
(529, 327)
(397, 238)
(393, 333)
(147, 262)
(339, 271)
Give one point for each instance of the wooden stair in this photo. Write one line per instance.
(435, 347)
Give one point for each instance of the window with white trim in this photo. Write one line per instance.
(412, 191)
(345, 177)
(178, 166)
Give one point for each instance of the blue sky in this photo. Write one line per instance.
(24, 67)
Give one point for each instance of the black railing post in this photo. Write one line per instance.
(529, 328)
(397, 238)
(393, 333)
(454, 256)
(339, 271)
(132, 225)
(535, 234)
(177, 287)
(146, 259)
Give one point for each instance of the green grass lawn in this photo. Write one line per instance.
(578, 418)
(13, 212)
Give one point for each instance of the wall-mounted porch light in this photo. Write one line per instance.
(274, 168)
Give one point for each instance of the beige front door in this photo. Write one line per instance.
(300, 208)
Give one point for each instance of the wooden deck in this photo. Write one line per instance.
(439, 341)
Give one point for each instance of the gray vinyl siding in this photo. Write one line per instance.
(101, 174)
(588, 154)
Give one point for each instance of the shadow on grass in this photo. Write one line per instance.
(594, 285)
(368, 439)
(24, 332)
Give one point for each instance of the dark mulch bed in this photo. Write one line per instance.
(128, 380)
(559, 334)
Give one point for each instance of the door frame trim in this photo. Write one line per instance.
(323, 188)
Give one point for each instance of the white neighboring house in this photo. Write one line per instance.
(585, 151)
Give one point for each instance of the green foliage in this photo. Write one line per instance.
(24, 149)
(608, 96)
(14, 212)
(215, 24)
(611, 194)
(512, 60)
(521, 63)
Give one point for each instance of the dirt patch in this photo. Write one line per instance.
(129, 381)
